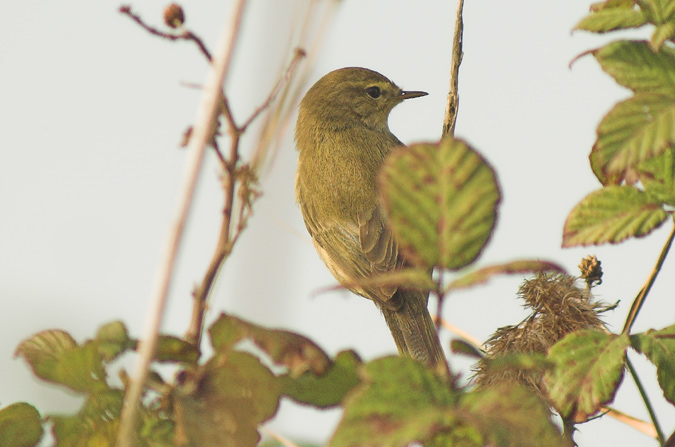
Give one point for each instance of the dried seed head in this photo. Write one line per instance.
(559, 307)
(591, 271)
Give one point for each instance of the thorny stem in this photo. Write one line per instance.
(645, 399)
(231, 177)
(453, 94)
(640, 299)
(205, 124)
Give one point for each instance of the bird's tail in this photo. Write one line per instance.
(414, 331)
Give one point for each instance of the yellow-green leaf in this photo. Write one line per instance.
(611, 19)
(635, 130)
(657, 175)
(636, 66)
(20, 425)
(659, 348)
(612, 214)
(55, 356)
(588, 369)
(441, 201)
(297, 353)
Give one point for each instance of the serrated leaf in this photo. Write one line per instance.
(55, 357)
(611, 19)
(657, 175)
(174, 349)
(224, 401)
(484, 274)
(297, 353)
(659, 348)
(589, 367)
(612, 214)
(20, 425)
(511, 416)
(325, 390)
(634, 130)
(441, 201)
(399, 402)
(636, 66)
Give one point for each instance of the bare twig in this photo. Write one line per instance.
(205, 124)
(185, 35)
(233, 175)
(453, 94)
(640, 299)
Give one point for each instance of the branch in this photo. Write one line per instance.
(233, 174)
(640, 299)
(453, 94)
(186, 35)
(202, 134)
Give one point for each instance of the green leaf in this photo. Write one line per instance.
(661, 34)
(399, 402)
(659, 348)
(511, 415)
(297, 353)
(113, 339)
(95, 424)
(325, 390)
(441, 201)
(55, 357)
(224, 401)
(657, 175)
(611, 19)
(484, 274)
(634, 65)
(612, 214)
(588, 369)
(20, 425)
(174, 349)
(635, 130)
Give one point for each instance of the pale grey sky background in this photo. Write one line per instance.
(92, 110)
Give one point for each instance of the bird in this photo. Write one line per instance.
(342, 136)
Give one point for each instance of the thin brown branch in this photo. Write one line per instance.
(205, 125)
(453, 94)
(642, 295)
(231, 179)
(185, 35)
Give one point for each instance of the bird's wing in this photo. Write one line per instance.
(378, 244)
(340, 246)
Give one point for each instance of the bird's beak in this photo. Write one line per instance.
(408, 95)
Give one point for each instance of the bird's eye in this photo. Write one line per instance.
(373, 92)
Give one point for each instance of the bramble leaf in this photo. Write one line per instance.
(297, 353)
(612, 214)
(441, 201)
(326, 390)
(588, 369)
(635, 130)
(636, 66)
(659, 348)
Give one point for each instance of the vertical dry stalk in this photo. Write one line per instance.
(453, 94)
(202, 133)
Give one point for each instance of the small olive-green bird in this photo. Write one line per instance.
(343, 137)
